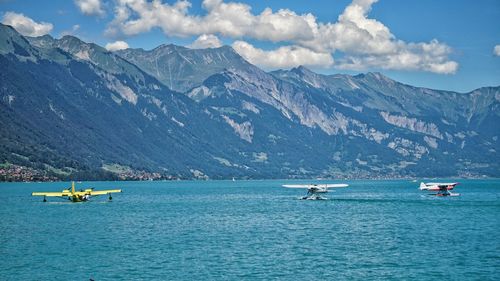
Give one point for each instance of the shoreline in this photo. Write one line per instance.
(267, 179)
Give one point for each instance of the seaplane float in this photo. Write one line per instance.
(77, 196)
(442, 188)
(314, 191)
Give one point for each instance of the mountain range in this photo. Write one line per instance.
(75, 110)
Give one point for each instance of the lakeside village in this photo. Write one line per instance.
(17, 173)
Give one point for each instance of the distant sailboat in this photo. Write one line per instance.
(234, 179)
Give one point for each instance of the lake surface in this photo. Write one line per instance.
(251, 230)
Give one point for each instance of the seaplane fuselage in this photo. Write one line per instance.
(437, 186)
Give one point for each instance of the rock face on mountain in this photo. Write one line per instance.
(67, 106)
(366, 124)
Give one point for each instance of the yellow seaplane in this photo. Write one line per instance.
(76, 196)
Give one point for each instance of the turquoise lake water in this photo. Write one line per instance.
(251, 230)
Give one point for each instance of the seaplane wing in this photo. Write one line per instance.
(51, 194)
(103, 192)
(296, 185)
(308, 186)
(442, 184)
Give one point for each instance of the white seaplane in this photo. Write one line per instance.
(314, 190)
(442, 188)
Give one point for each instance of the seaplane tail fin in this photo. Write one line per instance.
(422, 186)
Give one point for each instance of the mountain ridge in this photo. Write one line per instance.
(74, 109)
(182, 68)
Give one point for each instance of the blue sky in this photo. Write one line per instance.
(447, 44)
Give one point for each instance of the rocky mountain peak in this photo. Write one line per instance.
(167, 48)
(374, 76)
(7, 29)
(70, 40)
(302, 70)
(226, 48)
(12, 41)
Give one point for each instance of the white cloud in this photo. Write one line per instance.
(354, 32)
(26, 26)
(283, 57)
(90, 7)
(431, 57)
(115, 46)
(367, 43)
(363, 42)
(206, 41)
(496, 50)
(228, 19)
